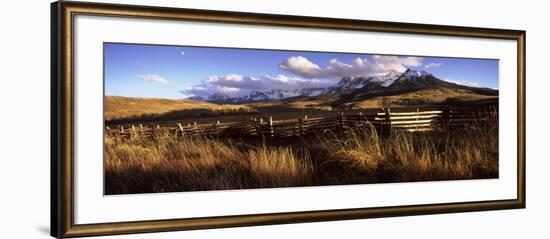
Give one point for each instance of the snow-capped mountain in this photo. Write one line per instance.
(283, 94)
(389, 82)
(219, 97)
(414, 74)
(386, 79)
(275, 94)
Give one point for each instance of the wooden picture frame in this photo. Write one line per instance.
(62, 118)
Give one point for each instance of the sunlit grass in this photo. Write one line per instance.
(202, 163)
(117, 107)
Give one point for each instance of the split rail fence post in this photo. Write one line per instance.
(343, 119)
(254, 126)
(340, 121)
(417, 115)
(132, 132)
(271, 132)
(450, 119)
(260, 128)
(445, 119)
(180, 127)
(387, 122)
(295, 128)
(121, 132)
(107, 129)
(304, 126)
(300, 127)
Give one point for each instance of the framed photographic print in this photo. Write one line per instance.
(172, 119)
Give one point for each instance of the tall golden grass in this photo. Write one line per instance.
(200, 163)
(196, 163)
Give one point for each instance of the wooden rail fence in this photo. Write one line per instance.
(384, 121)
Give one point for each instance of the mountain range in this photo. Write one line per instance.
(356, 88)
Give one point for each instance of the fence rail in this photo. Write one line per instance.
(383, 120)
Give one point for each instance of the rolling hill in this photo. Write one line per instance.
(414, 87)
(117, 107)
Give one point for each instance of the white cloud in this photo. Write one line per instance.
(235, 85)
(301, 66)
(308, 75)
(206, 90)
(266, 82)
(153, 78)
(336, 69)
(431, 65)
(463, 82)
(396, 61)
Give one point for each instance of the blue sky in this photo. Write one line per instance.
(178, 71)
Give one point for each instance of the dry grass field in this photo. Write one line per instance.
(117, 107)
(199, 163)
(130, 110)
(416, 98)
(421, 97)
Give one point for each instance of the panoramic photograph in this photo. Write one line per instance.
(193, 118)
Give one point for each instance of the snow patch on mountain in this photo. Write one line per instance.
(348, 84)
(413, 74)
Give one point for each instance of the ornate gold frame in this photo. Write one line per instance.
(62, 202)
